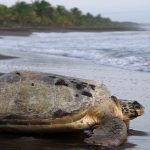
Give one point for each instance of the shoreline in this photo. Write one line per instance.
(26, 31)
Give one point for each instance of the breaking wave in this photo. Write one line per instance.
(127, 50)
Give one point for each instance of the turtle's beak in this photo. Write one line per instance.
(140, 111)
(138, 108)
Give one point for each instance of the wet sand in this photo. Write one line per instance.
(122, 83)
(56, 142)
(26, 31)
(6, 57)
(14, 32)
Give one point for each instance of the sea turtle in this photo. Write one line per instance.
(38, 102)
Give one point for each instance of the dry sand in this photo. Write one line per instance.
(122, 83)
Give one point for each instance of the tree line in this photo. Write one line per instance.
(42, 13)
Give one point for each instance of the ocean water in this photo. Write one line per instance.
(126, 50)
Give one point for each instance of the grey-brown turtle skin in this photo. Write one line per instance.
(44, 103)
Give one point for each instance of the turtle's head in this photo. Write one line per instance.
(131, 109)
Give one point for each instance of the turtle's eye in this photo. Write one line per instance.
(136, 105)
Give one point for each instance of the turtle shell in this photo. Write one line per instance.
(31, 95)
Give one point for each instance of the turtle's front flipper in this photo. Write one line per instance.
(112, 133)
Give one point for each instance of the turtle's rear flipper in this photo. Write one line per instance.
(112, 133)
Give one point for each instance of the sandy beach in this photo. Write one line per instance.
(26, 31)
(6, 57)
(14, 32)
(122, 83)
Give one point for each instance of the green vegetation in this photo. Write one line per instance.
(42, 14)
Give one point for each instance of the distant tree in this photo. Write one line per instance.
(63, 16)
(61, 10)
(76, 16)
(44, 10)
(23, 13)
(3, 14)
(42, 13)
